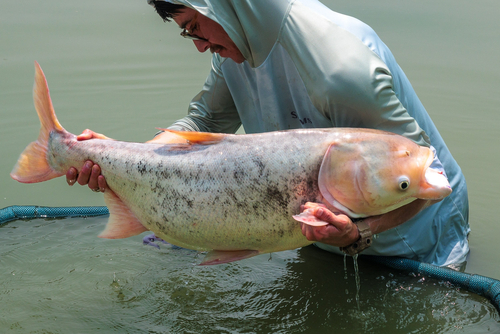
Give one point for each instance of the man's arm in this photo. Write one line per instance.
(211, 110)
(342, 232)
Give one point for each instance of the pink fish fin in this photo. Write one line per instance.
(32, 165)
(219, 257)
(308, 218)
(122, 223)
(193, 137)
(172, 138)
(43, 103)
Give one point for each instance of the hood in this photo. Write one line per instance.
(253, 25)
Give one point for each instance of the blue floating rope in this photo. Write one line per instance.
(481, 285)
(32, 211)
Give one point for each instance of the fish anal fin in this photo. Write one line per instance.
(219, 257)
(193, 137)
(122, 222)
(308, 218)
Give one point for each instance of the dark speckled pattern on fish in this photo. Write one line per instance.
(239, 193)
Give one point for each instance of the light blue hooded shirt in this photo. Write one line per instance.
(309, 67)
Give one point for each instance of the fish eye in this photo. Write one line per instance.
(404, 183)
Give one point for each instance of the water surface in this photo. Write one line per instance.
(116, 68)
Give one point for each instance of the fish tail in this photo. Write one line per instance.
(32, 165)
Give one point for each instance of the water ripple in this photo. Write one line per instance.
(59, 277)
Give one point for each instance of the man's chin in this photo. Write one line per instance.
(237, 58)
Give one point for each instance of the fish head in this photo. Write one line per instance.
(375, 173)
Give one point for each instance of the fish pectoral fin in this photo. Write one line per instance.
(219, 257)
(193, 137)
(122, 223)
(308, 218)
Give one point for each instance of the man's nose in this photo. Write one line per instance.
(202, 46)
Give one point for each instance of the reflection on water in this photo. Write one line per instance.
(59, 277)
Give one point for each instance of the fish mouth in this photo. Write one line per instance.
(438, 185)
(435, 185)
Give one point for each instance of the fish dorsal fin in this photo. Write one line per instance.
(167, 138)
(122, 223)
(204, 138)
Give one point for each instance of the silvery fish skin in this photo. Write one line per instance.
(234, 194)
(239, 193)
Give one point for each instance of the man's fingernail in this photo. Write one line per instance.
(319, 212)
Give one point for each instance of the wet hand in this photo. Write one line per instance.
(89, 134)
(90, 173)
(340, 231)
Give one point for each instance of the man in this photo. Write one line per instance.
(286, 64)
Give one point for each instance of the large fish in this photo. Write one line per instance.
(235, 195)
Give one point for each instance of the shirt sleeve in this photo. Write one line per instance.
(213, 108)
(345, 79)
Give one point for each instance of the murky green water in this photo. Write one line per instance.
(116, 68)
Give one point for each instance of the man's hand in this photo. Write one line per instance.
(89, 134)
(340, 231)
(90, 173)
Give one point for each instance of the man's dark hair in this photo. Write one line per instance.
(167, 10)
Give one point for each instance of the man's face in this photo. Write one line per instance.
(212, 35)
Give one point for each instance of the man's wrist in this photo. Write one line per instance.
(356, 234)
(363, 242)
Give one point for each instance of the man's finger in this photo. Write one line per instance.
(95, 172)
(312, 205)
(84, 175)
(339, 221)
(101, 181)
(86, 135)
(71, 176)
